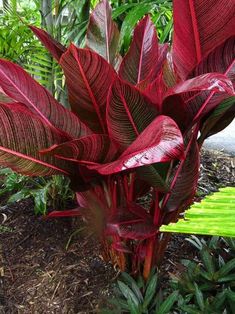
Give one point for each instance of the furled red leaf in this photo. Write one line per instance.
(20, 86)
(161, 141)
(142, 55)
(88, 78)
(22, 134)
(54, 47)
(129, 112)
(186, 183)
(102, 33)
(199, 27)
(183, 101)
(93, 148)
(65, 213)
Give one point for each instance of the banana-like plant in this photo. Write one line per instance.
(134, 122)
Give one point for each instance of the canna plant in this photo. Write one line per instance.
(134, 122)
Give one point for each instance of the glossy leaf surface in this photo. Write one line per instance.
(161, 141)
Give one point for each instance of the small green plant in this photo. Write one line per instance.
(140, 297)
(208, 286)
(51, 192)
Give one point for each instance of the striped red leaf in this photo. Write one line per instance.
(88, 78)
(142, 55)
(200, 26)
(21, 87)
(22, 135)
(94, 148)
(161, 141)
(54, 47)
(129, 112)
(183, 102)
(102, 33)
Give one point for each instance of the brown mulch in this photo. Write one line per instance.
(38, 274)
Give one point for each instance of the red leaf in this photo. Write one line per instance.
(22, 134)
(183, 101)
(54, 47)
(20, 86)
(131, 222)
(129, 112)
(156, 68)
(186, 183)
(88, 78)
(133, 231)
(142, 55)
(121, 247)
(199, 27)
(102, 33)
(65, 213)
(161, 141)
(94, 148)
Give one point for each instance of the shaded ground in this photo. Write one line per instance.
(37, 273)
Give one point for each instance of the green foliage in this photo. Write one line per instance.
(208, 286)
(54, 192)
(140, 297)
(212, 216)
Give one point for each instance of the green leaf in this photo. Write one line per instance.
(225, 270)
(199, 297)
(133, 285)
(132, 300)
(168, 303)
(150, 291)
(40, 200)
(210, 217)
(19, 196)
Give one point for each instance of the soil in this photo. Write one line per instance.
(51, 266)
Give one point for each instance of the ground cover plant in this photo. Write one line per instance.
(133, 126)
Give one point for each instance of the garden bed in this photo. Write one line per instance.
(38, 274)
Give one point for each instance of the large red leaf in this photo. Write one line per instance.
(20, 86)
(142, 55)
(54, 47)
(185, 184)
(129, 112)
(88, 78)
(183, 101)
(93, 148)
(161, 141)
(22, 135)
(102, 33)
(200, 26)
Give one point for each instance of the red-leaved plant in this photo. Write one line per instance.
(133, 129)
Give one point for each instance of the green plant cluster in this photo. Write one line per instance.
(206, 286)
(46, 193)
